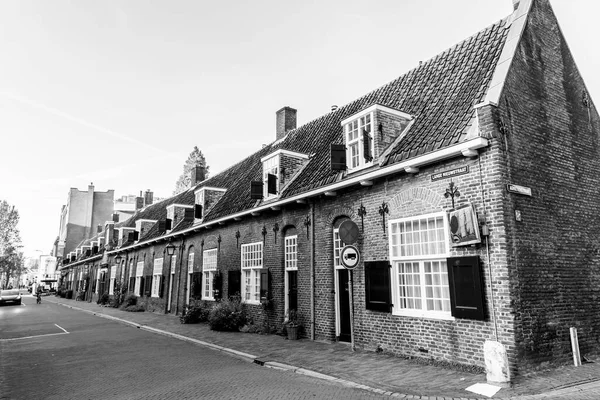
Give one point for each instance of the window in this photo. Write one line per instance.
(359, 142)
(190, 273)
(139, 272)
(291, 253)
(113, 276)
(418, 251)
(209, 267)
(157, 277)
(271, 177)
(252, 261)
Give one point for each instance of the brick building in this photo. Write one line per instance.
(472, 182)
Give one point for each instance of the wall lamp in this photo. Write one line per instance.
(170, 249)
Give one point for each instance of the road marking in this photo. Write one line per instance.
(64, 332)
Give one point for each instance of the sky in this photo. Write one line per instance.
(118, 92)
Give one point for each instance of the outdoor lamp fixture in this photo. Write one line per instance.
(118, 259)
(170, 249)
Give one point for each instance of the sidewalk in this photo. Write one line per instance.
(336, 361)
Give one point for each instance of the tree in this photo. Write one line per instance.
(11, 259)
(194, 159)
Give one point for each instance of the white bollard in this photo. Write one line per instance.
(575, 347)
(496, 363)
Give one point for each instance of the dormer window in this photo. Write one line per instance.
(359, 142)
(368, 134)
(271, 177)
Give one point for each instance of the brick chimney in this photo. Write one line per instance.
(197, 173)
(139, 201)
(286, 121)
(148, 197)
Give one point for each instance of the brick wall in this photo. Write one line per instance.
(552, 141)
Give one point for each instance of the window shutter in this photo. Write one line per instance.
(466, 295)
(88, 253)
(161, 283)
(256, 190)
(130, 236)
(148, 287)
(377, 286)
(95, 250)
(197, 211)
(264, 285)
(338, 157)
(168, 224)
(367, 146)
(141, 293)
(188, 214)
(234, 283)
(197, 285)
(217, 285)
(132, 284)
(162, 226)
(271, 184)
(136, 235)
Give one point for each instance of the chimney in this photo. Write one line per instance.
(516, 4)
(139, 202)
(148, 197)
(334, 108)
(286, 121)
(197, 174)
(99, 229)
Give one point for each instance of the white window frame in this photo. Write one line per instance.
(190, 275)
(209, 267)
(290, 260)
(139, 272)
(353, 135)
(252, 263)
(156, 275)
(113, 276)
(271, 166)
(337, 265)
(419, 253)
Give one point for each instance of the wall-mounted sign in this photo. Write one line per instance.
(464, 229)
(349, 257)
(348, 232)
(449, 174)
(524, 190)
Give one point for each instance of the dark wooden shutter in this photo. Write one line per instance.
(131, 236)
(338, 157)
(168, 224)
(197, 285)
(466, 295)
(217, 285)
(271, 184)
(265, 278)
(88, 253)
(256, 190)
(234, 283)
(161, 284)
(377, 286)
(141, 293)
(132, 284)
(367, 146)
(197, 211)
(188, 214)
(148, 286)
(162, 226)
(136, 235)
(95, 250)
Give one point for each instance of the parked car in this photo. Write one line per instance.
(10, 296)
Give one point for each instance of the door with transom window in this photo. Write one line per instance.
(342, 291)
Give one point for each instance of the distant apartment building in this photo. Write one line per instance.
(126, 205)
(80, 217)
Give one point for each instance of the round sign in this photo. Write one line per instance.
(348, 232)
(349, 257)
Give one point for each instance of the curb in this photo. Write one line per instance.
(269, 364)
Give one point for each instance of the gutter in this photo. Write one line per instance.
(467, 148)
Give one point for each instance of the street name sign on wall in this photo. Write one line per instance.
(524, 190)
(349, 257)
(449, 174)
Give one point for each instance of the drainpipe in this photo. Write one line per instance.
(312, 270)
(179, 275)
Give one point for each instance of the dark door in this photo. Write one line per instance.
(293, 290)
(344, 302)
(234, 283)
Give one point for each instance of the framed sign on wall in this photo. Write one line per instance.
(464, 229)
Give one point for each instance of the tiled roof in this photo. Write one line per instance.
(439, 94)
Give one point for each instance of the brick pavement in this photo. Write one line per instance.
(337, 361)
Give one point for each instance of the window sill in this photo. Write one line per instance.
(208, 298)
(360, 168)
(251, 302)
(424, 314)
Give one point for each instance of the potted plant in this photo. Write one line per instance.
(291, 324)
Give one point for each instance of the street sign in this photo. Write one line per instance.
(348, 232)
(349, 257)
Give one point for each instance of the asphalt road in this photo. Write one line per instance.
(53, 352)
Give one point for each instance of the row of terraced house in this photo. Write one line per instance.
(472, 185)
